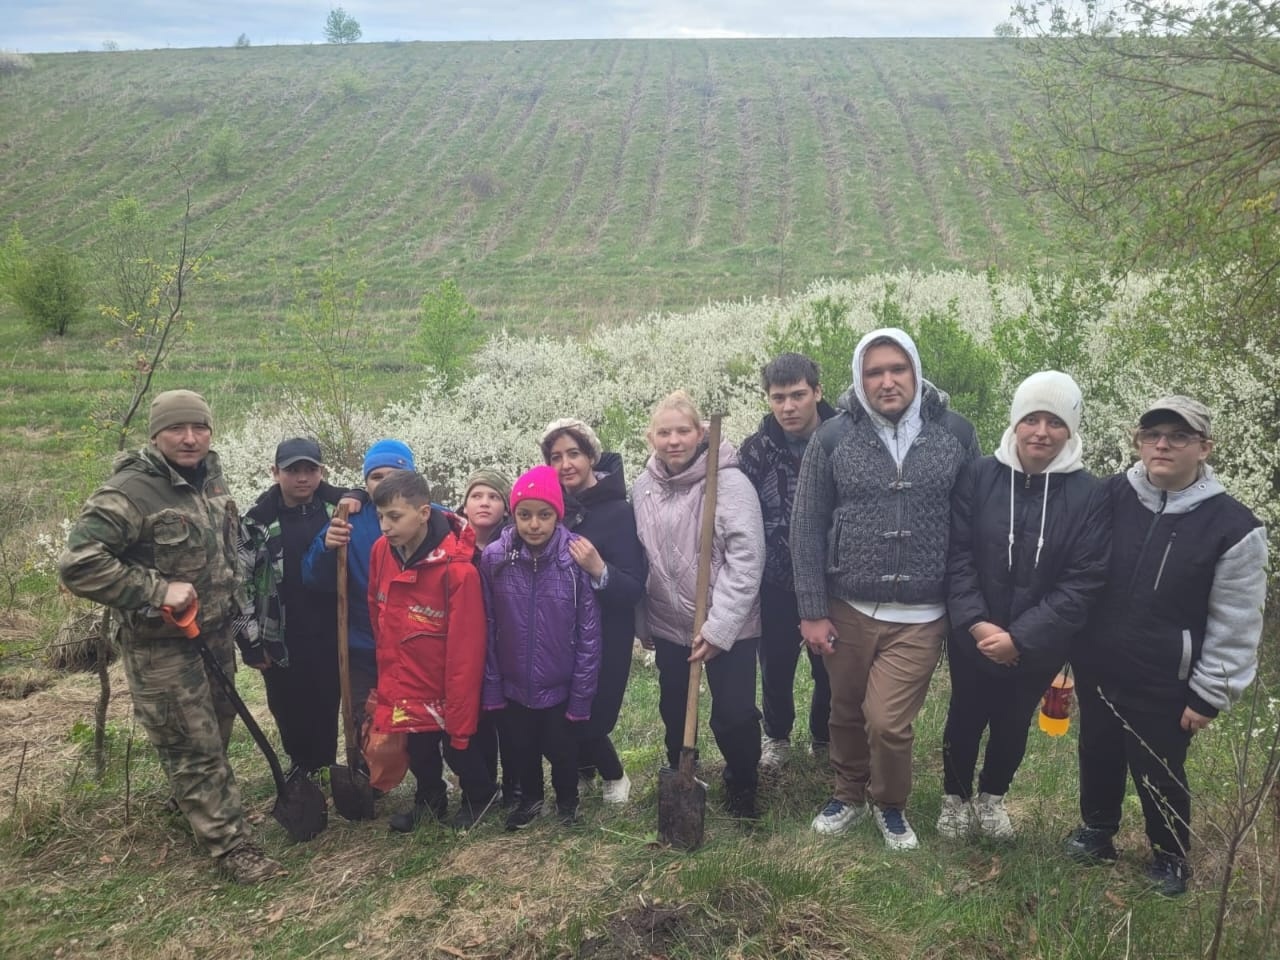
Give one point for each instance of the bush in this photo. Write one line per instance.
(449, 332)
(48, 289)
(223, 152)
(242, 41)
(13, 62)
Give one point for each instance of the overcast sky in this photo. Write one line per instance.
(32, 26)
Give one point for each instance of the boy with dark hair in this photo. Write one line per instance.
(429, 626)
(298, 631)
(771, 458)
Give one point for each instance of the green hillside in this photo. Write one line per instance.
(557, 181)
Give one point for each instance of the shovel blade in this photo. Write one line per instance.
(352, 793)
(300, 808)
(682, 809)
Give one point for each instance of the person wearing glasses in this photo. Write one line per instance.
(1172, 641)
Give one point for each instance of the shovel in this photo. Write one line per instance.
(682, 798)
(352, 792)
(300, 804)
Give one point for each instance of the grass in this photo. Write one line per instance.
(76, 876)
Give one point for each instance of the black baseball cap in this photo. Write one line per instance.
(296, 450)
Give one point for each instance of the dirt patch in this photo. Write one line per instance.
(646, 931)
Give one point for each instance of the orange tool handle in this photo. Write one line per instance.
(184, 621)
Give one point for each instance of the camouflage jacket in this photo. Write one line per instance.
(147, 526)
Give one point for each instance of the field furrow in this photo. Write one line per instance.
(612, 201)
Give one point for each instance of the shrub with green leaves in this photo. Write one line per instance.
(224, 151)
(46, 284)
(449, 332)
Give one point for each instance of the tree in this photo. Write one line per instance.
(1155, 127)
(341, 27)
(46, 285)
(242, 41)
(449, 332)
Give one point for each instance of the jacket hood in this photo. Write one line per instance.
(150, 460)
(1176, 501)
(902, 339)
(461, 546)
(610, 483)
(693, 474)
(1069, 459)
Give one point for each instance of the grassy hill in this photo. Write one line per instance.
(562, 184)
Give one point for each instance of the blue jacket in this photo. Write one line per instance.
(544, 626)
(320, 572)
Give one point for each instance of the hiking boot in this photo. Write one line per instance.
(742, 804)
(408, 821)
(567, 814)
(837, 816)
(1168, 873)
(618, 791)
(895, 828)
(247, 864)
(1091, 845)
(524, 814)
(993, 818)
(469, 814)
(774, 754)
(955, 820)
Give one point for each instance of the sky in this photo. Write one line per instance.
(32, 26)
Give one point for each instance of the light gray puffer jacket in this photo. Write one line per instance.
(669, 522)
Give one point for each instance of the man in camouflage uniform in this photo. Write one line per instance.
(163, 531)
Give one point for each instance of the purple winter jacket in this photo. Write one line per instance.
(544, 626)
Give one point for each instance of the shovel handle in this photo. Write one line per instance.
(703, 585)
(344, 653)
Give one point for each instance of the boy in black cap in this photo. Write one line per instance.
(298, 634)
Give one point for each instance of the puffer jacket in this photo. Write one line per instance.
(429, 627)
(1041, 587)
(669, 522)
(544, 626)
(147, 526)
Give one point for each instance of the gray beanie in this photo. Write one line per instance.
(580, 431)
(1053, 392)
(178, 406)
(488, 477)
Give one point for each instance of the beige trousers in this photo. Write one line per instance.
(879, 674)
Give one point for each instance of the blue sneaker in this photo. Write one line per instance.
(895, 828)
(837, 817)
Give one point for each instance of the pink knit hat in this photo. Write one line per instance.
(540, 483)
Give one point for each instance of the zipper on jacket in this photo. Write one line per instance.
(1164, 559)
(532, 634)
(1142, 550)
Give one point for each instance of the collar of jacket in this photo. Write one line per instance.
(772, 429)
(610, 485)
(556, 549)
(1176, 501)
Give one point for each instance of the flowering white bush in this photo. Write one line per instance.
(612, 378)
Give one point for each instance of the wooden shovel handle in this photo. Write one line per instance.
(344, 658)
(703, 586)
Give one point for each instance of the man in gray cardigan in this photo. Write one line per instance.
(869, 537)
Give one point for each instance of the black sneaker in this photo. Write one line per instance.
(524, 814)
(469, 814)
(1091, 845)
(567, 814)
(742, 804)
(1168, 873)
(408, 821)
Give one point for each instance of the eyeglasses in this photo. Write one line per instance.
(1178, 439)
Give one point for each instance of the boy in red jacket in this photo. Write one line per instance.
(429, 627)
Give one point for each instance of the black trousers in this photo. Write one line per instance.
(735, 721)
(1001, 705)
(363, 668)
(303, 698)
(598, 755)
(779, 655)
(1146, 743)
(426, 762)
(530, 735)
(494, 746)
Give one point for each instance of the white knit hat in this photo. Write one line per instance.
(583, 433)
(1051, 391)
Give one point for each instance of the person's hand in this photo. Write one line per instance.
(1192, 721)
(338, 534)
(983, 629)
(704, 650)
(818, 636)
(586, 556)
(178, 596)
(999, 648)
(646, 643)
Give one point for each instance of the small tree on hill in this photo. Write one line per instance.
(46, 285)
(448, 332)
(341, 27)
(242, 41)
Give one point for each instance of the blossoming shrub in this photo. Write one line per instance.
(1126, 342)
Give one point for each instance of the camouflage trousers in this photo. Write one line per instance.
(188, 719)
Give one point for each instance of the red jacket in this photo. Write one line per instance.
(429, 628)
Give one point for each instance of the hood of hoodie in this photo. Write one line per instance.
(1175, 501)
(897, 436)
(696, 472)
(1069, 459)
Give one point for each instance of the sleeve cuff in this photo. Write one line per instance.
(1200, 705)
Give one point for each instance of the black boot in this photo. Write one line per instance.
(1091, 845)
(408, 821)
(1168, 873)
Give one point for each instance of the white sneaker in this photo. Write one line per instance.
(837, 816)
(774, 754)
(895, 828)
(993, 818)
(617, 791)
(956, 818)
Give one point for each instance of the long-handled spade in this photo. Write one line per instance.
(682, 798)
(300, 804)
(352, 792)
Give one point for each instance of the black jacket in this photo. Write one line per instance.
(603, 515)
(1041, 603)
(773, 468)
